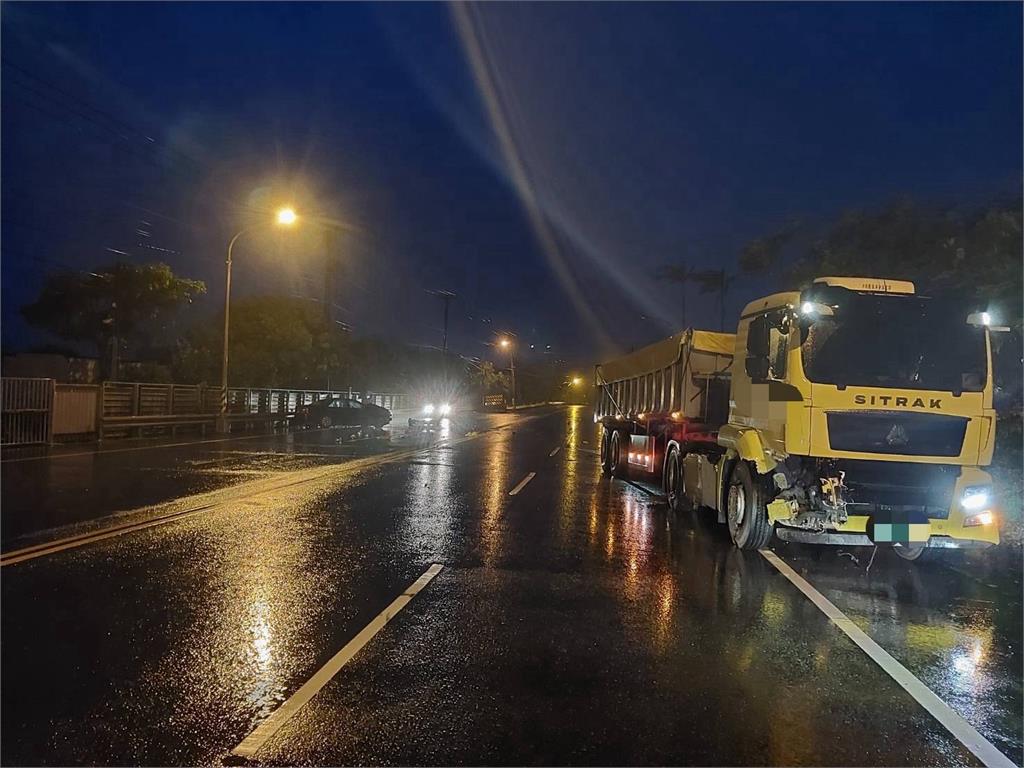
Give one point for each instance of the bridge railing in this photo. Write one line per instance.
(41, 410)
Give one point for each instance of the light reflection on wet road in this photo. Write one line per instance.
(576, 622)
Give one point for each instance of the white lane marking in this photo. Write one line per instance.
(252, 743)
(522, 484)
(45, 548)
(557, 449)
(981, 747)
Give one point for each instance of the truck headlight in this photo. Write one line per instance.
(428, 408)
(985, 518)
(446, 409)
(975, 497)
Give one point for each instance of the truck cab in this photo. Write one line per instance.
(864, 414)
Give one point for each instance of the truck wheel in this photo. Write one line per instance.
(672, 481)
(746, 509)
(917, 553)
(619, 450)
(606, 461)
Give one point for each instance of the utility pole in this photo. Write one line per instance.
(512, 366)
(446, 297)
(330, 273)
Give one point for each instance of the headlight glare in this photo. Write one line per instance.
(428, 408)
(985, 518)
(446, 409)
(975, 497)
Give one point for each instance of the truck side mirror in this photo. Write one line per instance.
(757, 368)
(757, 337)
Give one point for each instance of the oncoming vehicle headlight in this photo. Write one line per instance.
(428, 408)
(975, 497)
(446, 409)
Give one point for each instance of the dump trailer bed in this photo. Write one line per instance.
(685, 376)
(673, 392)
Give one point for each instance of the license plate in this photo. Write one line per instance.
(898, 533)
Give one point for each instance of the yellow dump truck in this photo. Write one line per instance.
(855, 412)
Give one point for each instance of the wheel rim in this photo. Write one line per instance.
(737, 506)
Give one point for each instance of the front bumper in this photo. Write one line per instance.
(799, 536)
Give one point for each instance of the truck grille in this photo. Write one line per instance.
(896, 432)
(896, 485)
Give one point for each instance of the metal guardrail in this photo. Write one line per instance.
(35, 410)
(26, 410)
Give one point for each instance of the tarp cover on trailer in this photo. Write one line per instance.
(662, 354)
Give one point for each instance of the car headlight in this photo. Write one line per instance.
(975, 497)
(446, 409)
(428, 408)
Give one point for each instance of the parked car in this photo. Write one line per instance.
(343, 412)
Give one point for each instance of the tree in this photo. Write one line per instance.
(680, 274)
(112, 304)
(714, 281)
(275, 341)
(762, 255)
(975, 253)
(487, 378)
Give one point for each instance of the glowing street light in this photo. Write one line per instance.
(285, 217)
(576, 381)
(506, 343)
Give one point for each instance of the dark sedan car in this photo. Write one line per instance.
(344, 412)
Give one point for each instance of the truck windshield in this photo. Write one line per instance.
(888, 341)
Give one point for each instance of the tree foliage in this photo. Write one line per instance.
(975, 253)
(121, 300)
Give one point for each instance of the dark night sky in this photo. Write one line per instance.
(540, 160)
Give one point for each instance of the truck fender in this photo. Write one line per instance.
(750, 448)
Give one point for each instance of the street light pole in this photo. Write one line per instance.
(512, 365)
(507, 343)
(222, 421)
(285, 216)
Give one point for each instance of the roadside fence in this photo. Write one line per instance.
(43, 411)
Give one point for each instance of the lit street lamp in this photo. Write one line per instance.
(506, 343)
(285, 217)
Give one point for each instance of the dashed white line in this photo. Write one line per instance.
(252, 743)
(522, 484)
(557, 449)
(964, 732)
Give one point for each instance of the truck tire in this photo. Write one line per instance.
(746, 510)
(619, 453)
(917, 554)
(672, 481)
(606, 450)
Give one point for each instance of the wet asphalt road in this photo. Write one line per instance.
(574, 622)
